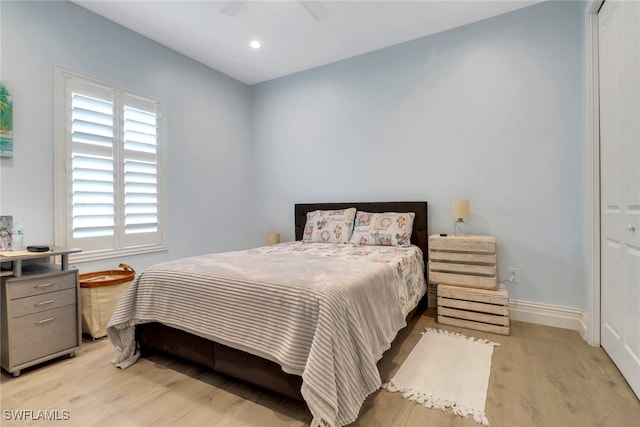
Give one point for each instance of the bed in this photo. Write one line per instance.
(279, 316)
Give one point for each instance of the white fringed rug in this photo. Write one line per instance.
(447, 370)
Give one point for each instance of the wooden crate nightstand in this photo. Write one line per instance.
(468, 261)
(479, 309)
(464, 270)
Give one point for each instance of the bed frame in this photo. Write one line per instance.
(156, 337)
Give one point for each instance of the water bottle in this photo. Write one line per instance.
(18, 240)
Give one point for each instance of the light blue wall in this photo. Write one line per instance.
(208, 120)
(493, 112)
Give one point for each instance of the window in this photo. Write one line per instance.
(109, 150)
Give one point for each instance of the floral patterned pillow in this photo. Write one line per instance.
(329, 226)
(383, 229)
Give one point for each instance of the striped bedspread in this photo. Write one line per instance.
(326, 312)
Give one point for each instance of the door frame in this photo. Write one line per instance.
(594, 279)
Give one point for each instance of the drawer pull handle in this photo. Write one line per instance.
(40, 304)
(44, 285)
(44, 321)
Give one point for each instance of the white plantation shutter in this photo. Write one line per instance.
(140, 169)
(112, 150)
(92, 162)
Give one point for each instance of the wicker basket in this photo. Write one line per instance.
(100, 292)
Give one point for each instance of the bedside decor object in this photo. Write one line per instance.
(6, 228)
(18, 238)
(37, 248)
(273, 239)
(460, 209)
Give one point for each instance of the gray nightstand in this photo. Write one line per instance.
(40, 309)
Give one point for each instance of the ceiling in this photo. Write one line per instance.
(295, 35)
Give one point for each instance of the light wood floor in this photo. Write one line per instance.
(540, 376)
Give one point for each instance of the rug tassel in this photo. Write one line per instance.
(478, 416)
(421, 398)
(458, 334)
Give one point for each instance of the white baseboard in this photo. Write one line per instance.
(549, 315)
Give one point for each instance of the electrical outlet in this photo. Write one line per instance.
(513, 275)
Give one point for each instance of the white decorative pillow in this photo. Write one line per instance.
(383, 229)
(329, 226)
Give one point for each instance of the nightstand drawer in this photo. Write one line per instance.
(24, 287)
(41, 334)
(42, 302)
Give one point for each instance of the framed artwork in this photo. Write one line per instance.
(6, 121)
(6, 228)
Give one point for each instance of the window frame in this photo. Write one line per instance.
(63, 173)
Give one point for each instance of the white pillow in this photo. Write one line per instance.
(383, 229)
(333, 226)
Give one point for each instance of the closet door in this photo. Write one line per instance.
(619, 73)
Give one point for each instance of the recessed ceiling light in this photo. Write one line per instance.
(255, 44)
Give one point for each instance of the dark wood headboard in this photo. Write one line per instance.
(419, 235)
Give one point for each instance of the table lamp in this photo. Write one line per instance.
(273, 238)
(460, 209)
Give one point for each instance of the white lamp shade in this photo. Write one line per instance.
(273, 238)
(461, 209)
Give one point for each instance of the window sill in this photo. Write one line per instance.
(102, 255)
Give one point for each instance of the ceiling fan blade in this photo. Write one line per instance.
(231, 8)
(315, 9)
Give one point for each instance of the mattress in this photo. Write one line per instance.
(326, 312)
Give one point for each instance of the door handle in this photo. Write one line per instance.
(631, 228)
